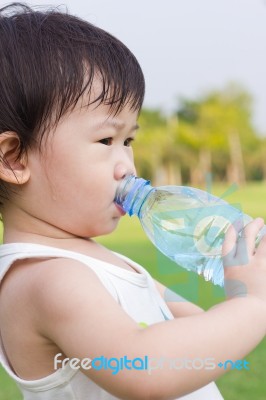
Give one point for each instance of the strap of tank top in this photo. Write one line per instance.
(10, 253)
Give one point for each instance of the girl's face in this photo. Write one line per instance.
(72, 185)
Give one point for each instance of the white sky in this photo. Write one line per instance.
(187, 47)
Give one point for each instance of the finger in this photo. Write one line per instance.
(229, 245)
(261, 249)
(246, 242)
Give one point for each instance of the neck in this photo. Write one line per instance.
(20, 226)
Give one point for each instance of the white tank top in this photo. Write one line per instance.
(137, 295)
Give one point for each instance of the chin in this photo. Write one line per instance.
(107, 229)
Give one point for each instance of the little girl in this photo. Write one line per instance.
(71, 311)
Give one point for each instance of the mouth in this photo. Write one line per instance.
(120, 209)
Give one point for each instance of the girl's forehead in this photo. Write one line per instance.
(109, 105)
(102, 114)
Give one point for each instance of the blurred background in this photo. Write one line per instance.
(203, 124)
(204, 63)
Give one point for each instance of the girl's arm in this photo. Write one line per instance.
(76, 312)
(179, 306)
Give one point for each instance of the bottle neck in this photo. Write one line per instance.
(131, 194)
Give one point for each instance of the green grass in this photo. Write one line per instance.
(129, 239)
(8, 389)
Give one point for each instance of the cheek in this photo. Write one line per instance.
(75, 182)
(66, 175)
(80, 191)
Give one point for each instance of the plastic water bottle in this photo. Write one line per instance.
(186, 224)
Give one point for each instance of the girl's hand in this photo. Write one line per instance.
(244, 265)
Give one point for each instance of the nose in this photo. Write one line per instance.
(121, 170)
(124, 166)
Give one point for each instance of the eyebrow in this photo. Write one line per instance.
(118, 125)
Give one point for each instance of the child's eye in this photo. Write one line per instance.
(128, 142)
(106, 141)
(109, 141)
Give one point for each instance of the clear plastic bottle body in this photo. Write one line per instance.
(186, 224)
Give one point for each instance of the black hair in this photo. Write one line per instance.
(48, 60)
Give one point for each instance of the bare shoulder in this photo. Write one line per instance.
(69, 293)
(60, 283)
(41, 285)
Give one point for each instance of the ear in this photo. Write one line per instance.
(12, 169)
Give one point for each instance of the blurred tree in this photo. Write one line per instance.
(256, 162)
(159, 152)
(148, 147)
(212, 134)
(220, 127)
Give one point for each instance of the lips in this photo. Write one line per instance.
(120, 209)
